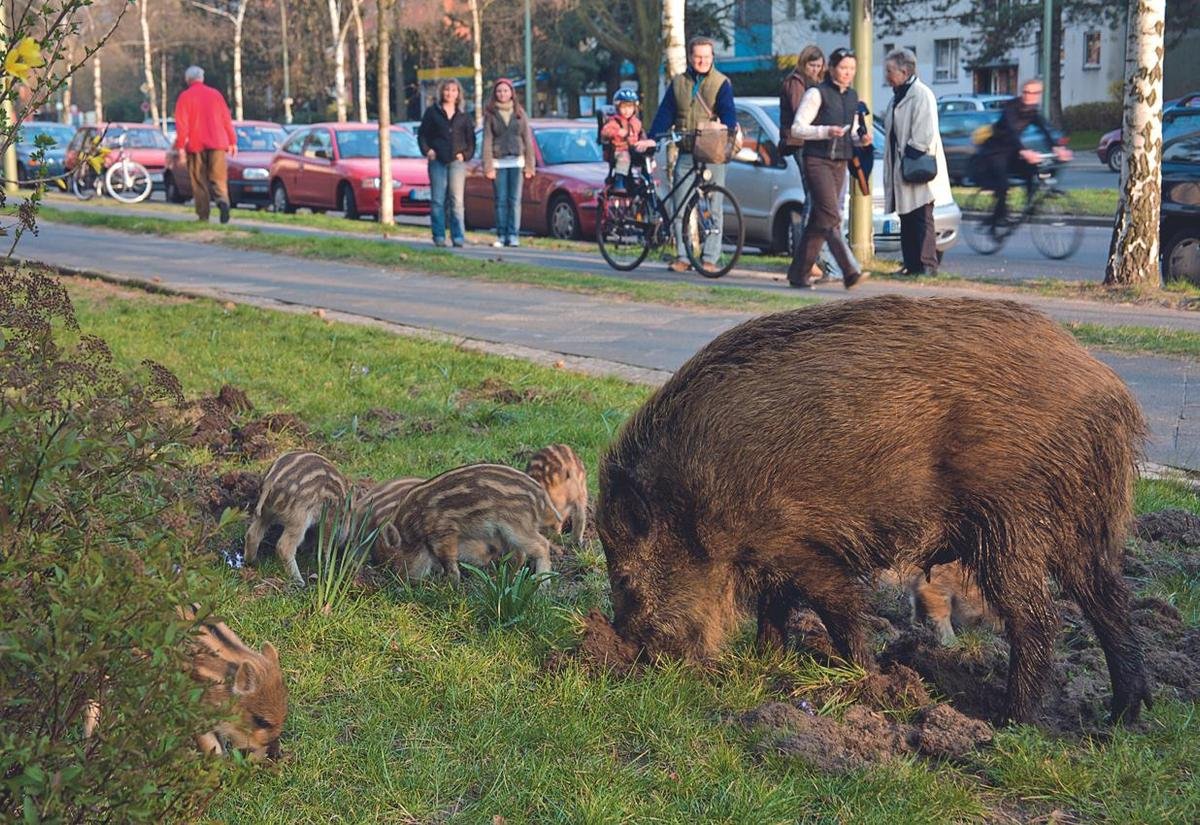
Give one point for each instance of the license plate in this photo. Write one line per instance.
(419, 193)
(256, 187)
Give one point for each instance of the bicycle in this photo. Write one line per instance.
(1047, 209)
(127, 180)
(85, 181)
(631, 223)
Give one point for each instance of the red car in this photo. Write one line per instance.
(336, 166)
(1110, 148)
(143, 142)
(560, 199)
(249, 169)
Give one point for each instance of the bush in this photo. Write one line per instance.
(1103, 116)
(94, 558)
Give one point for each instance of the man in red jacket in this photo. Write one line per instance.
(204, 129)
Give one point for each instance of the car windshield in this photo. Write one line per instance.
(568, 146)
(1185, 149)
(136, 138)
(60, 133)
(1180, 122)
(364, 143)
(964, 124)
(259, 138)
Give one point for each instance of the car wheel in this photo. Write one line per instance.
(789, 225)
(346, 202)
(1114, 158)
(1181, 257)
(22, 175)
(279, 199)
(563, 219)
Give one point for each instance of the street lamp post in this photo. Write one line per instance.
(1047, 53)
(529, 79)
(862, 240)
(287, 82)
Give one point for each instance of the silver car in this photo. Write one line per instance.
(771, 193)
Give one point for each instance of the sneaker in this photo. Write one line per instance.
(460, 243)
(513, 241)
(707, 267)
(499, 243)
(224, 207)
(439, 241)
(679, 265)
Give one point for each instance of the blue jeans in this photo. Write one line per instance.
(446, 181)
(507, 186)
(712, 244)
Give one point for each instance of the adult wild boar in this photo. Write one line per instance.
(799, 452)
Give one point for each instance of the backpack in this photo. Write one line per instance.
(603, 113)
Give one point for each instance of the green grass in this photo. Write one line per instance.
(1093, 202)
(405, 707)
(1085, 141)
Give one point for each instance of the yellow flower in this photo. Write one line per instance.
(23, 57)
(97, 160)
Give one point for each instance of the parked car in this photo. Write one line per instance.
(248, 170)
(144, 143)
(336, 166)
(53, 158)
(168, 128)
(1179, 230)
(971, 103)
(771, 193)
(560, 199)
(1178, 119)
(958, 139)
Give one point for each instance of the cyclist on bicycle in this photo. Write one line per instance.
(620, 133)
(1003, 156)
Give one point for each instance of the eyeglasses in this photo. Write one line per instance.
(838, 55)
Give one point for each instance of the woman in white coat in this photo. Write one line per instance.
(911, 125)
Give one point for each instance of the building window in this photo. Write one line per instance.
(791, 10)
(1091, 50)
(945, 60)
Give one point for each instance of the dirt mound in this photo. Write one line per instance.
(974, 678)
(1169, 526)
(233, 489)
(864, 736)
(216, 425)
(380, 423)
(497, 392)
(601, 649)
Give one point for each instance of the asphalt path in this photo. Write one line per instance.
(651, 337)
(1085, 171)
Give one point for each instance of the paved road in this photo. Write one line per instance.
(1086, 171)
(1020, 259)
(655, 337)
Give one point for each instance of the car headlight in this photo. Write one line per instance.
(590, 193)
(370, 183)
(255, 173)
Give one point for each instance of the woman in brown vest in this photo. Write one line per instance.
(507, 158)
(824, 120)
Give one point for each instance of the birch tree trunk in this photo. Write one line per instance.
(1134, 251)
(672, 28)
(339, 58)
(360, 57)
(148, 62)
(477, 59)
(238, 21)
(97, 88)
(383, 41)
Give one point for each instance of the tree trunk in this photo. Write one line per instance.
(339, 59)
(148, 62)
(382, 73)
(1055, 88)
(1134, 250)
(673, 38)
(68, 98)
(164, 109)
(477, 60)
(399, 90)
(360, 59)
(97, 89)
(238, 21)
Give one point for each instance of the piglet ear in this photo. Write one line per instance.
(389, 536)
(245, 682)
(269, 651)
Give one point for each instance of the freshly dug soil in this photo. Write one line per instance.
(219, 426)
(233, 489)
(601, 649)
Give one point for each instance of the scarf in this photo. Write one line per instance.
(505, 110)
(900, 91)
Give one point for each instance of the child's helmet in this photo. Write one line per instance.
(624, 96)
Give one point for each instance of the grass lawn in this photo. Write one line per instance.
(1093, 202)
(406, 708)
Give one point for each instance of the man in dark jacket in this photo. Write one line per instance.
(701, 93)
(1004, 156)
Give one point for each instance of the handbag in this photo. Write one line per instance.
(862, 161)
(917, 166)
(710, 141)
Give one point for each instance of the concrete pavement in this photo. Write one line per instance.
(652, 337)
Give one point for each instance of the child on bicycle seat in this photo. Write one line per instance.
(620, 132)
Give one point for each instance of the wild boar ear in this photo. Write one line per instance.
(269, 651)
(245, 682)
(625, 490)
(390, 536)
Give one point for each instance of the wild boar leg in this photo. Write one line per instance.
(254, 537)
(774, 607)
(289, 542)
(445, 549)
(1022, 599)
(829, 588)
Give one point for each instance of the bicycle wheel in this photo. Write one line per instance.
(977, 223)
(128, 181)
(1054, 233)
(713, 233)
(623, 231)
(83, 183)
